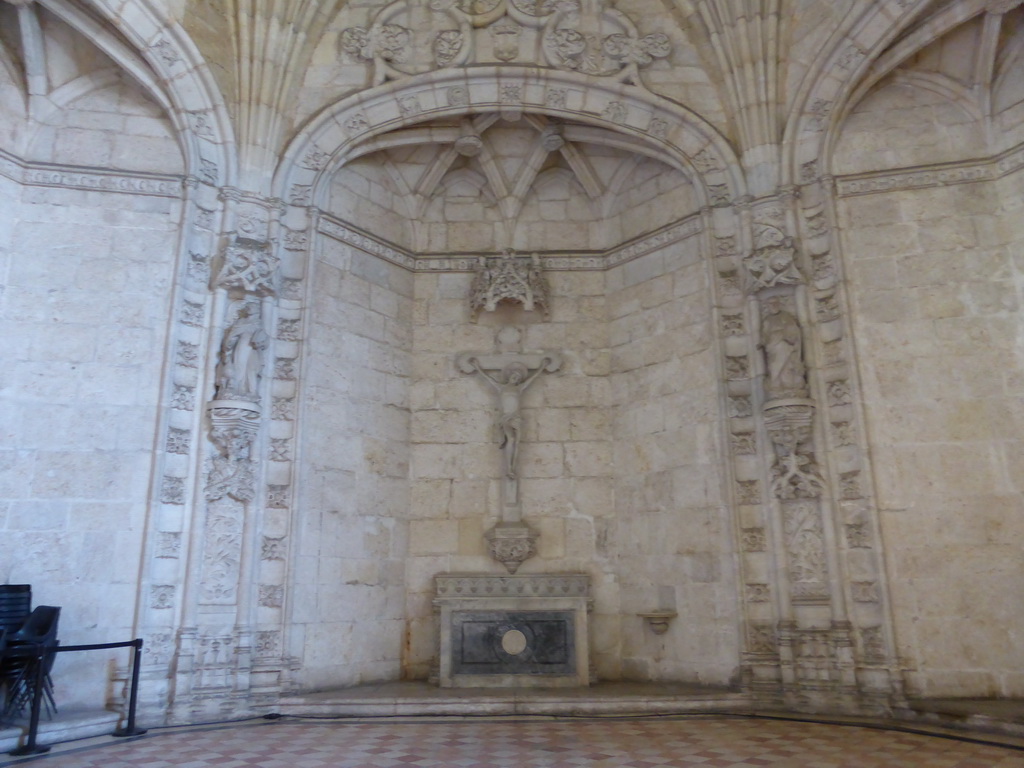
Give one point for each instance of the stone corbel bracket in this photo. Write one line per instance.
(658, 621)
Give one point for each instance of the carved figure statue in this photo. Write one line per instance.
(782, 340)
(241, 356)
(515, 379)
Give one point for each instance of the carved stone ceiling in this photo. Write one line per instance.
(522, 179)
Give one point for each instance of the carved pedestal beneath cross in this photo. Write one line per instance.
(517, 631)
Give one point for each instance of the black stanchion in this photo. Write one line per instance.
(130, 729)
(30, 747)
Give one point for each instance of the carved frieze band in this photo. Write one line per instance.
(519, 585)
(469, 262)
(92, 179)
(939, 175)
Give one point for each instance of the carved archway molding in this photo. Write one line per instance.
(176, 74)
(194, 548)
(676, 135)
(826, 517)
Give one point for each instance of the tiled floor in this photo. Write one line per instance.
(696, 742)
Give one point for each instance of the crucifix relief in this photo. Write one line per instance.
(510, 374)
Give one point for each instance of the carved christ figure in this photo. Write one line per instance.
(241, 356)
(515, 379)
(782, 340)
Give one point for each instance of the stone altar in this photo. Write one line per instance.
(513, 631)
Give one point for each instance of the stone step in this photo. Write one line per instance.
(413, 699)
(66, 725)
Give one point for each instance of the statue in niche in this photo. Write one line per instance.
(514, 380)
(241, 356)
(782, 340)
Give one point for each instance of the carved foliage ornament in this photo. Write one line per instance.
(511, 544)
(805, 544)
(582, 38)
(231, 471)
(772, 261)
(249, 266)
(568, 48)
(796, 476)
(509, 278)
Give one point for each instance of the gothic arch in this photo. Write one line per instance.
(168, 66)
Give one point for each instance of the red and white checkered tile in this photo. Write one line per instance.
(711, 742)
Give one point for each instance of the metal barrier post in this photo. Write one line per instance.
(130, 729)
(30, 747)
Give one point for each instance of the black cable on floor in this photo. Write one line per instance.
(525, 718)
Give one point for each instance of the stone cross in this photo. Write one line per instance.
(510, 374)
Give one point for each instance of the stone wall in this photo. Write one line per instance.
(348, 584)
(936, 306)
(565, 457)
(671, 536)
(87, 276)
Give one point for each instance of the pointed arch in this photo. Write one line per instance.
(855, 58)
(155, 51)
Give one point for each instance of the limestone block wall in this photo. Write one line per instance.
(900, 125)
(935, 287)
(347, 588)
(87, 275)
(111, 126)
(565, 460)
(670, 538)
(365, 195)
(84, 312)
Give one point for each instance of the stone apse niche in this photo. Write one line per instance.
(91, 170)
(620, 467)
(928, 167)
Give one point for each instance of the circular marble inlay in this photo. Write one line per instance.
(513, 642)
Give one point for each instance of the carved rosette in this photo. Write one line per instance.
(511, 544)
(509, 278)
(402, 40)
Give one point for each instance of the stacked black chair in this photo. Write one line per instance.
(23, 653)
(15, 605)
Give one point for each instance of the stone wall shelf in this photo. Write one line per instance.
(658, 621)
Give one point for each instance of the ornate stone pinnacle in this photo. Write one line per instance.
(509, 278)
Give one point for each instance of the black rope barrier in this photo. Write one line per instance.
(31, 745)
